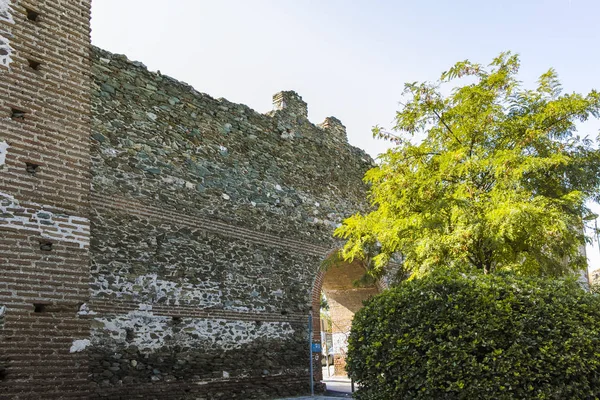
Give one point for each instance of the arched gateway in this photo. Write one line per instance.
(340, 285)
(176, 256)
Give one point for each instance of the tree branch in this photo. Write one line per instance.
(446, 125)
(474, 262)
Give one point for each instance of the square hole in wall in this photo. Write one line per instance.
(45, 245)
(32, 168)
(39, 307)
(32, 15)
(34, 65)
(15, 113)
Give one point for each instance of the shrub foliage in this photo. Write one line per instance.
(455, 336)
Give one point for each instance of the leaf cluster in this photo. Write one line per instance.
(499, 180)
(459, 336)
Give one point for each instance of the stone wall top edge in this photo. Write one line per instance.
(99, 53)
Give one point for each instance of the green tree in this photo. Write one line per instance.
(491, 176)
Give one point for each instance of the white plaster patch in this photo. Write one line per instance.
(85, 310)
(5, 51)
(5, 11)
(173, 181)
(151, 332)
(201, 294)
(3, 151)
(79, 345)
(110, 152)
(66, 228)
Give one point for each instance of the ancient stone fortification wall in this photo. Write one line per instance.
(44, 186)
(204, 223)
(209, 221)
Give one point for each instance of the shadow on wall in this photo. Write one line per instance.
(339, 286)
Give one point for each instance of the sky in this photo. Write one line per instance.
(349, 58)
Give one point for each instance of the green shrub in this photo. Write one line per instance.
(455, 336)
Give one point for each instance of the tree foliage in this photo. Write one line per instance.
(457, 336)
(491, 176)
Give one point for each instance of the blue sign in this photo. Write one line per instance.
(316, 347)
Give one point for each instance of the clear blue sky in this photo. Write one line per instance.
(348, 58)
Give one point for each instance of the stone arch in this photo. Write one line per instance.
(345, 299)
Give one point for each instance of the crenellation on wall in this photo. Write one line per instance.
(334, 127)
(290, 103)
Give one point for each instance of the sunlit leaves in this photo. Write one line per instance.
(499, 180)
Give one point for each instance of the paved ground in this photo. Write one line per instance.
(337, 387)
(340, 385)
(312, 398)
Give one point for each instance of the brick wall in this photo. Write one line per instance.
(44, 190)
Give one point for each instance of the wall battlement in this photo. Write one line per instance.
(290, 102)
(287, 105)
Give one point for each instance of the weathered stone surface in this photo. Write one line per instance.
(277, 173)
(174, 265)
(209, 224)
